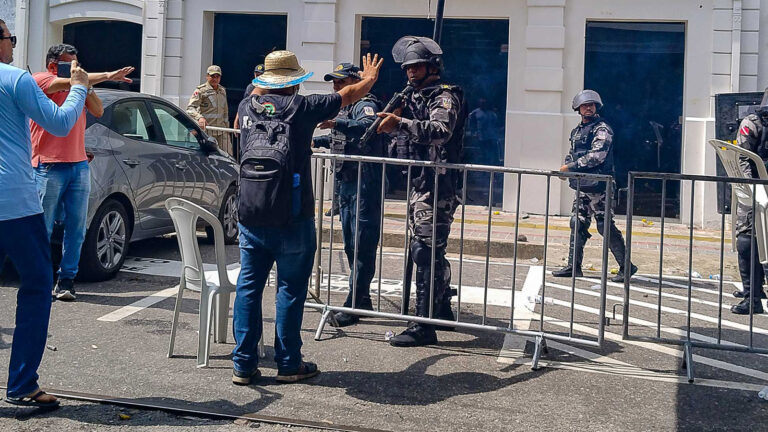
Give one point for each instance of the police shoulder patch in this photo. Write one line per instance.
(368, 111)
(602, 133)
(446, 103)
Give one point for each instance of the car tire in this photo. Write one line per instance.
(228, 217)
(106, 243)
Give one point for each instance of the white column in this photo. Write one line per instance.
(318, 42)
(535, 118)
(21, 31)
(762, 65)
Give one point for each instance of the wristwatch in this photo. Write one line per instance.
(91, 90)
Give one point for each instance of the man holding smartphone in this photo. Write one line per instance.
(61, 168)
(22, 228)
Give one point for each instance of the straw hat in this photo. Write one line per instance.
(281, 70)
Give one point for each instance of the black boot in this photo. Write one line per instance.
(417, 334)
(743, 307)
(575, 255)
(568, 271)
(620, 275)
(444, 312)
(344, 319)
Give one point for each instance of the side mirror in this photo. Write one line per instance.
(209, 144)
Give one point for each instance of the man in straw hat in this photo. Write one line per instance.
(276, 208)
(208, 106)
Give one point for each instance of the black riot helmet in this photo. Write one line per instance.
(410, 50)
(585, 97)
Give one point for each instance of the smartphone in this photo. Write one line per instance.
(64, 70)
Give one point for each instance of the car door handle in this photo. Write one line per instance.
(181, 165)
(131, 162)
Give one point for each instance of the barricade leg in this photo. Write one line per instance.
(540, 346)
(688, 361)
(327, 314)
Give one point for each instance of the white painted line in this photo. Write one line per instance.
(159, 267)
(663, 349)
(676, 296)
(525, 304)
(668, 309)
(144, 303)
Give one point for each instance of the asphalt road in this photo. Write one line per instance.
(471, 380)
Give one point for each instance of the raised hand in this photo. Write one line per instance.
(78, 75)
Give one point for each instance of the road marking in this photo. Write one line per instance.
(144, 303)
(674, 296)
(668, 309)
(525, 305)
(158, 267)
(663, 349)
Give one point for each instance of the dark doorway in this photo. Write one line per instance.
(638, 69)
(240, 42)
(476, 57)
(97, 43)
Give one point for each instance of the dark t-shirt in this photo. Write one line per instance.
(248, 90)
(311, 110)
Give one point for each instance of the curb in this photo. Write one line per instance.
(498, 248)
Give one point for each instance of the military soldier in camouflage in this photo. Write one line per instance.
(208, 106)
(591, 152)
(430, 127)
(346, 130)
(752, 136)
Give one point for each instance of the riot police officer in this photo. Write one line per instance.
(430, 127)
(591, 152)
(346, 130)
(752, 136)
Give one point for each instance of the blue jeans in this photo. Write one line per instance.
(67, 186)
(24, 241)
(293, 248)
(369, 226)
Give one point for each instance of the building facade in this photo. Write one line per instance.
(658, 64)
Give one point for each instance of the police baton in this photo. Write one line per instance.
(393, 104)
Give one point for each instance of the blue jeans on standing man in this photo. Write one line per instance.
(293, 248)
(68, 185)
(24, 241)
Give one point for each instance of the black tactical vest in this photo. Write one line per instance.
(451, 152)
(349, 145)
(581, 143)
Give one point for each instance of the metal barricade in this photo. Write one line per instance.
(483, 322)
(687, 338)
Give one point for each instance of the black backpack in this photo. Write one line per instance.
(268, 193)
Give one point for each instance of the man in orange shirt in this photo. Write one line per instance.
(61, 168)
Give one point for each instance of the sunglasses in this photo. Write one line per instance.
(12, 38)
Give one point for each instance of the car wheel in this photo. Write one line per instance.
(106, 243)
(227, 217)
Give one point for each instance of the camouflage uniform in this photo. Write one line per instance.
(212, 105)
(750, 137)
(591, 152)
(432, 129)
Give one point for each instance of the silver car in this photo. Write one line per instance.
(144, 151)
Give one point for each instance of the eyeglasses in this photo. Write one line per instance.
(12, 38)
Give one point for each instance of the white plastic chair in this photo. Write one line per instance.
(214, 295)
(729, 155)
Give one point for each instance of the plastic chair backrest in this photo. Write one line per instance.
(729, 155)
(185, 215)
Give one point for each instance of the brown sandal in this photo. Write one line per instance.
(33, 400)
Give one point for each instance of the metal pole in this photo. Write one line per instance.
(438, 34)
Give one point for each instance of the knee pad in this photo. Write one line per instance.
(420, 253)
(583, 227)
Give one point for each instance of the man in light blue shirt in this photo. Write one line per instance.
(23, 236)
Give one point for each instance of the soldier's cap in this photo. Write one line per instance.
(259, 69)
(281, 70)
(213, 70)
(343, 70)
